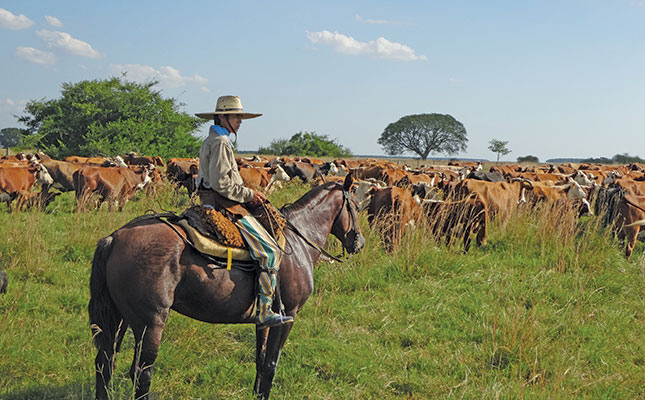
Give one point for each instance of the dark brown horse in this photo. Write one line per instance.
(143, 270)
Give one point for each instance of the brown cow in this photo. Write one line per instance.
(569, 193)
(391, 175)
(627, 184)
(133, 159)
(500, 198)
(631, 216)
(19, 157)
(116, 185)
(62, 173)
(183, 172)
(263, 179)
(98, 161)
(15, 181)
(462, 218)
(390, 210)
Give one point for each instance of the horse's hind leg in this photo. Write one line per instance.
(147, 341)
(104, 361)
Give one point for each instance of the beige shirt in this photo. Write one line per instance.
(218, 169)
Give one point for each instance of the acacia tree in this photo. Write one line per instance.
(423, 134)
(108, 117)
(499, 147)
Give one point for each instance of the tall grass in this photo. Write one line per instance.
(548, 309)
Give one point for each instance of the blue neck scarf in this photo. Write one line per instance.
(220, 130)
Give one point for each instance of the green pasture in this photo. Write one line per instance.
(547, 309)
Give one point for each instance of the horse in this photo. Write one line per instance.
(145, 268)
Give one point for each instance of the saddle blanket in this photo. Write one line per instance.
(213, 248)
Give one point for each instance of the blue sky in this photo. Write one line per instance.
(561, 78)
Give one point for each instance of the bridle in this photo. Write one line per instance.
(346, 202)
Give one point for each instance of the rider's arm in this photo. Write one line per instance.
(224, 176)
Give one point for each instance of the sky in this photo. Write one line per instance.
(553, 78)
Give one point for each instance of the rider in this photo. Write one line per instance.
(221, 186)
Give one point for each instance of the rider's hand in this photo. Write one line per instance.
(258, 198)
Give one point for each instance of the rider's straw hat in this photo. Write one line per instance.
(228, 105)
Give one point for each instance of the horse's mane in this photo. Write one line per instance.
(306, 198)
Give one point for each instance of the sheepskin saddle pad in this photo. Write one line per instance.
(213, 234)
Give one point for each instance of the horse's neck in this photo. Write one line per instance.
(314, 218)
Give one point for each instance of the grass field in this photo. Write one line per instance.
(548, 309)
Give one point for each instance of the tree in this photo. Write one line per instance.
(10, 137)
(424, 134)
(499, 147)
(306, 144)
(531, 159)
(624, 158)
(109, 117)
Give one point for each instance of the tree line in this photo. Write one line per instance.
(117, 116)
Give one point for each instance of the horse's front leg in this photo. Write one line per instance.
(277, 336)
(261, 336)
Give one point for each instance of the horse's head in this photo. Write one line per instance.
(345, 226)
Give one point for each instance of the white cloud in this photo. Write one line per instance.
(10, 105)
(35, 56)
(10, 21)
(372, 21)
(53, 21)
(204, 89)
(64, 41)
(167, 76)
(380, 48)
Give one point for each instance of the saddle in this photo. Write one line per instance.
(214, 234)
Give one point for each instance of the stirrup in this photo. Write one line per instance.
(275, 320)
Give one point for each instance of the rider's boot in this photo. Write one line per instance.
(266, 289)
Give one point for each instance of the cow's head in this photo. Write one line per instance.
(333, 169)
(582, 179)
(363, 192)
(611, 177)
(42, 175)
(118, 160)
(145, 177)
(576, 193)
(279, 174)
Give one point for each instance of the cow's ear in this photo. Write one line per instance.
(348, 182)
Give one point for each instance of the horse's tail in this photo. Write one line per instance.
(105, 318)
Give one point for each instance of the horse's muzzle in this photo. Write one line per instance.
(359, 243)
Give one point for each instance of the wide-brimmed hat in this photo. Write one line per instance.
(228, 105)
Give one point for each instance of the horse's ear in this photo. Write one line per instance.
(348, 182)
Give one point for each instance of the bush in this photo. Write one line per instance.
(306, 144)
(108, 117)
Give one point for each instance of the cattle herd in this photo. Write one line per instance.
(455, 201)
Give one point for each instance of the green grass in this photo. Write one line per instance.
(548, 309)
